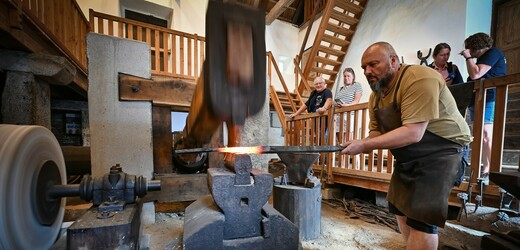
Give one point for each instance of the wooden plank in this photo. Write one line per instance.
(162, 139)
(277, 10)
(165, 52)
(350, 7)
(148, 36)
(335, 40)
(498, 129)
(323, 71)
(130, 32)
(160, 90)
(202, 51)
(140, 33)
(190, 57)
(327, 61)
(334, 28)
(174, 53)
(181, 55)
(196, 55)
(49, 16)
(111, 27)
(380, 185)
(41, 11)
(100, 26)
(328, 50)
(120, 30)
(344, 18)
(157, 51)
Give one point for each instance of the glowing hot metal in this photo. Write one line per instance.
(263, 149)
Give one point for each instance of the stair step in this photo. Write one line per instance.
(327, 61)
(513, 104)
(327, 81)
(511, 141)
(350, 7)
(344, 18)
(331, 51)
(334, 40)
(324, 71)
(340, 30)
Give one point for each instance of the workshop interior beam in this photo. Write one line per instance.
(277, 10)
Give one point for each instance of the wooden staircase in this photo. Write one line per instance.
(285, 103)
(337, 28)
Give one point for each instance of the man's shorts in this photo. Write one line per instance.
(415, 224)
(489, 112)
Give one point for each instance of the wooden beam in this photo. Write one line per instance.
(277, 10)
(162, 140)
(165, 91)
(256, 3)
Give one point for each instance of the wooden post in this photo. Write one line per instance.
(162, 140)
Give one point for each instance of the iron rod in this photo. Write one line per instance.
(266, 149)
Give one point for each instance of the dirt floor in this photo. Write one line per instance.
(338, 231)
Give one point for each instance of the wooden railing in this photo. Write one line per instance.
(64, 23)
(174, 53)
(316, 129)
(373, 170)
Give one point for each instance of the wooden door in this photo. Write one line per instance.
(507, 33)
(506, 29)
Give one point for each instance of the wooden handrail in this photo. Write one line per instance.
(174, 53)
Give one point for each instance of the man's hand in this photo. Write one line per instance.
(354, 147)
(291, 116)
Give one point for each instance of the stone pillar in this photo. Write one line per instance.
(120, 132)
(25, 100)
(26, 95)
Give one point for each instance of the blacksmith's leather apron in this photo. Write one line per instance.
(424, 172)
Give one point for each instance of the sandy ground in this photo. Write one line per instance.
(337, 232)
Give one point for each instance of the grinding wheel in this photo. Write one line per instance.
(30, 161)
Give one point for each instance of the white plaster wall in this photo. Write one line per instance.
(120, 132)
(190, 16)
(108, 7)
(281, 38)
(409, 25)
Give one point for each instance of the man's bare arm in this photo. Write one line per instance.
(400, 137)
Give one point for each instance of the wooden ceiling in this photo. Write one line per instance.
(291, 11)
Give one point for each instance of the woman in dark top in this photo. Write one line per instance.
(490, 62)
(449, 71)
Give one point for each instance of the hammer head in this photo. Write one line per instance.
(235, 77)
